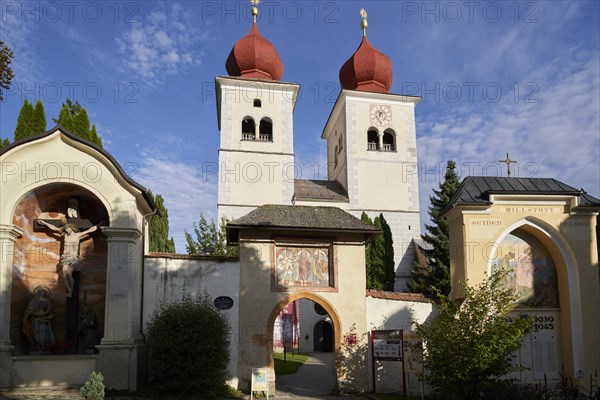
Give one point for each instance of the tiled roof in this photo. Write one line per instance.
(299, 218)
(380, 294)
(306, 189)
(477, 190)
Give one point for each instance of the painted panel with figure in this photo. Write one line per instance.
(302, 266)
(531, 272)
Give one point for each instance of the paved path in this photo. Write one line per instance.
(315, 378)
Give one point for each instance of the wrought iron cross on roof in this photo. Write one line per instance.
(508, 161)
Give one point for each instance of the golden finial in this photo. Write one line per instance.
(364, 22)
(254, 8)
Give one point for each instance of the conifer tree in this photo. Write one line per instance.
(74, 118)
(433, 278)
(81, 124)
(65, 119)
(6, 72)
(39, 117)
(379, 255)
(94, 137)
(159, 228)
(4, 143)
(25, 122)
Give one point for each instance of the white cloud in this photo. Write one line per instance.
(185, 190)
(161, 45)
(557, 136)
(19, 35)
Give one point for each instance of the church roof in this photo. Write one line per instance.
(476, 190)
(319, 190)
(367, 70)
(299, 218)
(253, 56)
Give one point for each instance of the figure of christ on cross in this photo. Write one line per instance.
(69, 259)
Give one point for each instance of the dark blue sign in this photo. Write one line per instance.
(223, 303)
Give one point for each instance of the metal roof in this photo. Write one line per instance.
(476, 190)
(308, 189)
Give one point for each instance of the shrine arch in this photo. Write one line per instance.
(567, 271)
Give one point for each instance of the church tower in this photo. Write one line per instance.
(372, 149)
(255, 115)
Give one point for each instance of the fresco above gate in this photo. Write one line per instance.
(531, 272)
(302, 266)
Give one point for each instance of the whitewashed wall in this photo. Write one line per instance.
(166, 279)
(394, 314)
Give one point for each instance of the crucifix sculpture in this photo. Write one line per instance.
(73, 231)
(508, 161)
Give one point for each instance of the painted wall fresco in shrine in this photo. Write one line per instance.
(299, 265)
(37, 281)
(531, 272)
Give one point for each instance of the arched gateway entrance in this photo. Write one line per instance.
(289, 253)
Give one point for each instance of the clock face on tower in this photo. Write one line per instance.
(381, 115)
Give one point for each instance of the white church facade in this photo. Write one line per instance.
(298, 239)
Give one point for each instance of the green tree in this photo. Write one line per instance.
(94, 137)
(4, 143)
(6, 72)
(434, 277)
(188, 349)
(469, 344)
(25, 122)
(159, 228)
(379, 255)
(81, 124)
(209, 239)
(39, 117)
(74, 118)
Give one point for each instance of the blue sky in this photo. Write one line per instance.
(496, 77)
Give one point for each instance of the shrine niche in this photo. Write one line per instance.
(303, 265)
(59, 271)
(530, 270)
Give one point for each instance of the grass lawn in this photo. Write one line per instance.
(293, 362)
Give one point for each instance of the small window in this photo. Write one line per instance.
(389, 140)
(372, 139)
(335, 157)
(257, 103)
(248, 129)
(265, 130)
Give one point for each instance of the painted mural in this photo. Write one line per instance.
(302, 266)
(59, 272)
(531, 272)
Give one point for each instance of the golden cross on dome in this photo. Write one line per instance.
(364, 23)
(254, 8)
(508, 161)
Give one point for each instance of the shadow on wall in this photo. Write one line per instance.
(351, 361)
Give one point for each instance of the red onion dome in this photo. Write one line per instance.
(368, 70)
(253, 56)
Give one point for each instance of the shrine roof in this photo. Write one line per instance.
(107, 155)
(476, 190)
(299, 218)
(320, 190)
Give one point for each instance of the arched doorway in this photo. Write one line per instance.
(323, 337)
(306, 325)
(537, 273)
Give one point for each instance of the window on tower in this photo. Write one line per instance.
(266, 130)
(257, 103)
(389, 140)
(248, 128)
(372, 139)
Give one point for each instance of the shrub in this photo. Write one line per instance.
(470, 345)
(93, 388)
(188, 349)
